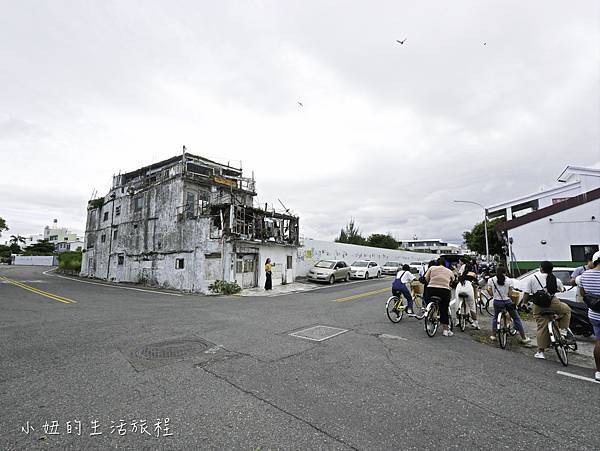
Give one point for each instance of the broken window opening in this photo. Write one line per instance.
(179, 263)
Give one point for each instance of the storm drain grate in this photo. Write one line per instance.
(319, 333)
(172, 349)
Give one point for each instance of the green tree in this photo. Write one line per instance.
(5, 251)
(42, 247)
(351, 235)
(475, 239)
(3, 226)
(381, 240)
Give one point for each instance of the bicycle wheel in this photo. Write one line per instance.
(431, 320)
(418, 302)
(502, 329)
(463, 315)
(489, 305)
(394, 308)
(560, 345)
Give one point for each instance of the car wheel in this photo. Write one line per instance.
(332, 280)
(366, 276)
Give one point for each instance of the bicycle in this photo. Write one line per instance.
(504, 327)
(432, 316)
(396, 305)
(463, 314)
(485, 301)
(563, 344)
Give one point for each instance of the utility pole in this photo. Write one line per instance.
(485, 226)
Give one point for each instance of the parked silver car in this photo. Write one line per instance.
(391, 268)
(329, 271)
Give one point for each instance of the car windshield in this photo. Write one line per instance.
(392, 264)
(359, 264)
(325, 264)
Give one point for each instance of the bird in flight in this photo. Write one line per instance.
(300, 103)
(401, 42)
(485, 43)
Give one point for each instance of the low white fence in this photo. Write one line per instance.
(36, 260)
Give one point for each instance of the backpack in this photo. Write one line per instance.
(592, 301)
(398, 284)
(541, 298)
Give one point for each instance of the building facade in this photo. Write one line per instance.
(184, 223)
(432, 245)
(560, 224)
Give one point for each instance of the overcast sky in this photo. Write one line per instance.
(389, 134)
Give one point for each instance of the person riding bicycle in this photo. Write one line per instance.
(501, 288)
(400, 286)
(547, 282)
(438, 284)
(466, 289)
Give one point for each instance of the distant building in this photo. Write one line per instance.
(433, 245)
(66, 246)
(183, 223)
(57, 235)
(560, 224)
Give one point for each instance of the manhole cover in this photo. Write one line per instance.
(318, 333)
(171, 349)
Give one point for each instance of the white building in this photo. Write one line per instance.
(66, 246)
(432, 245)
(560, 224)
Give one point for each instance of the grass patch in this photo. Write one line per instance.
(70, 261)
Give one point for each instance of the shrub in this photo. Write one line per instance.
(223, 287)
(70, 260)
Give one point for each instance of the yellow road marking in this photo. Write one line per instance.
(38, 291)
(362, 295)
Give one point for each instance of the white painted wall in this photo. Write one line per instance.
(278, 255)
(313, 250)
(36, 260)
(573, 226)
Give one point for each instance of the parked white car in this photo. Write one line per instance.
(391, 268)
(364, 269)
(561, 273)
(419, 268)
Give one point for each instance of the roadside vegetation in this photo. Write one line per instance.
(70, 261)
(224, 287)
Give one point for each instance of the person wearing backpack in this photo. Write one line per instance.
(400, 286)
(501, 288)
(590, 292)
(542, 289)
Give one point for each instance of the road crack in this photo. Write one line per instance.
(278, 408)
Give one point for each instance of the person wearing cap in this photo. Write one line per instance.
(590, 284)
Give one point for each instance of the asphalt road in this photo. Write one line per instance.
(231, 377)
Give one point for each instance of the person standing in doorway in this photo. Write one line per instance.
(268, 274)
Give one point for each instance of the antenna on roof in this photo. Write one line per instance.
(287, 210)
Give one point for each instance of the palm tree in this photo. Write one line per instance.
(16, 239)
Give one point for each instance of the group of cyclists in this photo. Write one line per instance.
(440, 279)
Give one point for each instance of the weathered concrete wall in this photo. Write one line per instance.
(313, 250)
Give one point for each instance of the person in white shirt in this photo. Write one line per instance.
(501, 288)
(546, 281)
(400, 286)
(465, 288)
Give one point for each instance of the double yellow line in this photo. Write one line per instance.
(38, 291)
(363, 295)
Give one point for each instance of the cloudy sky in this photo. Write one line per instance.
(485, 100)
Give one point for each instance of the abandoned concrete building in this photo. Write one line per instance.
(183, 223)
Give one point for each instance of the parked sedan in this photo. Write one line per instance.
(329, 271)
(364, 269)
(391, 268)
